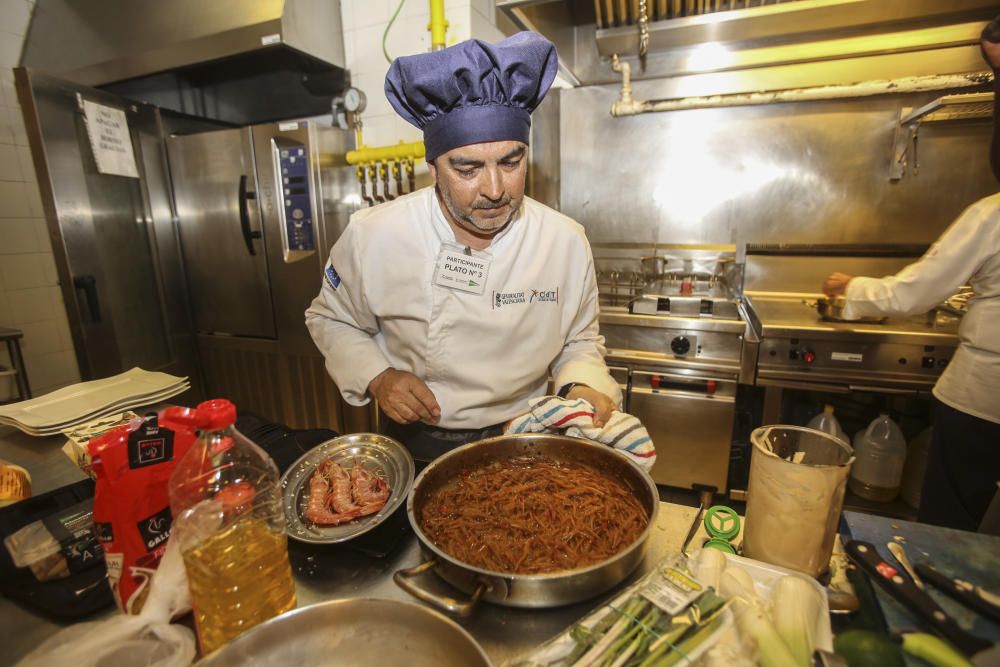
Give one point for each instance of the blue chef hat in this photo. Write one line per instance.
(473, 92)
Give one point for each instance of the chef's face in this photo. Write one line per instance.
(482, 185)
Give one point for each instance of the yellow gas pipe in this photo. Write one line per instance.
(438, 25)
(405, 154)
(399, 152)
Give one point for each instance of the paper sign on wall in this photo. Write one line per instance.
(107, 128)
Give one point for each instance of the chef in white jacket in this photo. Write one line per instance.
(453, 305)
(964, 464)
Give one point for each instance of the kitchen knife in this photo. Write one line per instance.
(980, 651)
(973, 597)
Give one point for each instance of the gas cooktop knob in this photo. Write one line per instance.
(680, 345)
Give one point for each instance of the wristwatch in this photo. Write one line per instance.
(566, 388)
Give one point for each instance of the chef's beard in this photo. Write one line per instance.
(468, 220)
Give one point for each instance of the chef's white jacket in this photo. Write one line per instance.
(967, 252)
(482, 355)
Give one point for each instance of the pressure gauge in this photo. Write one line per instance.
(354, 100)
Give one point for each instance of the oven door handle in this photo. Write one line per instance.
(884, 390)
(807, 386)
(681, 393)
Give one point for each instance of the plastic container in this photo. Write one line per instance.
(915, 468)
(827, 422)
(796, 492)
(881, 451)
(228, 516)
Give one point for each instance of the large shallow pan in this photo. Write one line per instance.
(356, 631)
(523, 590)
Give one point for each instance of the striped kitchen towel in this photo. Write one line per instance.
(576, 418)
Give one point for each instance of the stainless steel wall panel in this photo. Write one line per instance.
(543, 168)
(808, 172)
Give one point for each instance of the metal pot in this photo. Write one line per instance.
(653, 267)
(833, 310)
(522, 590)
(355, 631)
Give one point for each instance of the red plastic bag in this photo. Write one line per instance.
(131, 504)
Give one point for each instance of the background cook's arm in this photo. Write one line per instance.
(341, 323)
(948, 265)
(582, 357)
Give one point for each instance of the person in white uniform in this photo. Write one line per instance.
(455, 304)
(964, 464)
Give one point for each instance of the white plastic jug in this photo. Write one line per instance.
(827, 422)
(915, 467)
(880, 451)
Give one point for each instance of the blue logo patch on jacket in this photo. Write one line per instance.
(331, 276)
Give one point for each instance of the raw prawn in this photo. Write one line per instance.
(369, 491)
(340, 488)
(317, 506)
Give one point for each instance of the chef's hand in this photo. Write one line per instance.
(836, 284)
(404, 397)
(603, 406)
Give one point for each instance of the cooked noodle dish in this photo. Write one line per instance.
(532, 515)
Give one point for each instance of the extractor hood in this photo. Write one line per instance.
(237, 61)
(732, 46)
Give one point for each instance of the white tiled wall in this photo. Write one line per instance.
(30, 299)
(364, 24)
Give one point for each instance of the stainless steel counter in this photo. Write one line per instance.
(794, 317)
(337, 572)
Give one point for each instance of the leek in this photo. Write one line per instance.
(796, 608)
(735, 582)
(632, 609)
(756, 627)
(709, 565)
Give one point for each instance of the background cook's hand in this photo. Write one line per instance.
(603, 406)
(836, 284)
(404, 397)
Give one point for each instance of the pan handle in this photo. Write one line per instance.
(442, 602)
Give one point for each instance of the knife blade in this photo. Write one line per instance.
(981, 652)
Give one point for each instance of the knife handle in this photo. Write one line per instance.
(904, 591)
(959, 591)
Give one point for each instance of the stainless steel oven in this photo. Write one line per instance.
(690, 419)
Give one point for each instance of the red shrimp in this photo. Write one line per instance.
(339, 496)
(317, 510)
(369, 491)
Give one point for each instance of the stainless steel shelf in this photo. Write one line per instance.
(965, 106)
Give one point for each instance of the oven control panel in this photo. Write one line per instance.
(298, 238)
(847, 356)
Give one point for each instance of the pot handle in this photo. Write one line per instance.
(442, 602)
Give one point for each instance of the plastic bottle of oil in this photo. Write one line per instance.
(228, 516)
